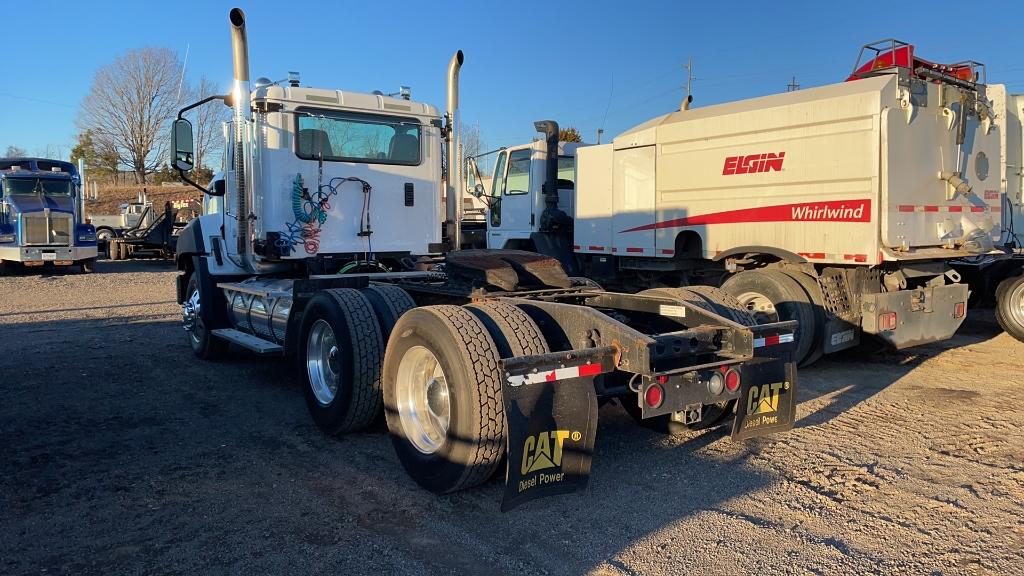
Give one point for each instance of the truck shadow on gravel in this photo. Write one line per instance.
(124, 453)
(840, 377)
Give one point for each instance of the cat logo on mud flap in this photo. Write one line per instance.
(765, 398)
(545, 450)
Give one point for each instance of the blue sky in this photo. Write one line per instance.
(584, 64)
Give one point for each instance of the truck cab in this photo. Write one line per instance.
(40, 218)
(515, 198)
(327, 176)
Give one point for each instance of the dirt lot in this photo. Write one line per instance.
(121, 453)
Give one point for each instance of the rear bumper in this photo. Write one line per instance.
(44, 254)
(922, 316)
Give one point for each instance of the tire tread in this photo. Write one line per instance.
(365, 401)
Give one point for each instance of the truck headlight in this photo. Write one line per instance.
(7, 238)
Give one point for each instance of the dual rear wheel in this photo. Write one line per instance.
(442, 389)
(776, 295)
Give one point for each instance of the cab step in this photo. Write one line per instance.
(248, 341)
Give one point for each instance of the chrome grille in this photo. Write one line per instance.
(36, 231)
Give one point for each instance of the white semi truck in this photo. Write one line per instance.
(841, 207)
(326, 245)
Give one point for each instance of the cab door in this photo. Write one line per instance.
(511, 215)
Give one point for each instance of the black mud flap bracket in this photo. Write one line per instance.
(767, 403)
(551, 414)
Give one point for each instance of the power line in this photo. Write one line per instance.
(37, 100)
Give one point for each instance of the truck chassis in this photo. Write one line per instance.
(501, 353)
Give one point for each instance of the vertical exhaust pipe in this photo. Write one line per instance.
(240, 106)
(550, 130)
(453, 182)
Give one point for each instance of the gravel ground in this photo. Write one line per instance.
(122, 453)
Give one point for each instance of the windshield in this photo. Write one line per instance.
(45, 186)
(352, 137)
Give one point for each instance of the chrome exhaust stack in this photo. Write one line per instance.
(242, 115)
(453, 180)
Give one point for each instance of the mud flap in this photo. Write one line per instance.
(551, 424)
(767, 403)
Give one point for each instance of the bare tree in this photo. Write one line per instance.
(15, 152)
(129, 105)
(208, 120)
(472, 143)
(52, 151)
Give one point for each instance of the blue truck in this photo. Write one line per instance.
(41, 220)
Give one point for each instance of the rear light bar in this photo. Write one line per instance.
(886, 321)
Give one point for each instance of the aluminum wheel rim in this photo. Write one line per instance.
(424, 405)
(322, 362)
(760, 306)
(190, 319)
(1016, 307)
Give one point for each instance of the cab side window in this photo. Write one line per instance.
(518, 179)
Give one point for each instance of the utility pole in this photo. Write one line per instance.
(792, 86)
(685, 104)
(599, 132)
(689, 76)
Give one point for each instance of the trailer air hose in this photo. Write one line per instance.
(310, 212)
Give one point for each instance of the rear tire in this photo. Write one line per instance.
(581, 282)
(774, 296)
(389, 303)
(204, 344)
(88, 265)
(513, 331)
(1010, 306)
(442, 397)
(817, 299)
(114, 249)
(341, 350)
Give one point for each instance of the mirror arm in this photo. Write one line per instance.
(181, 116)
(186, 179)
(181, 113)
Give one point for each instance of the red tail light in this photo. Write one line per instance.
(959, 309)
(886, 321)
(732, 380)
(654, 396)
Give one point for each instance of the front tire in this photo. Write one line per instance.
(442, 398)
(88, 265)
(204, 344)
(1010, 306)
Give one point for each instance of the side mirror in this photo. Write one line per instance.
(478, 191)
(217, 189)
(182, 147)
